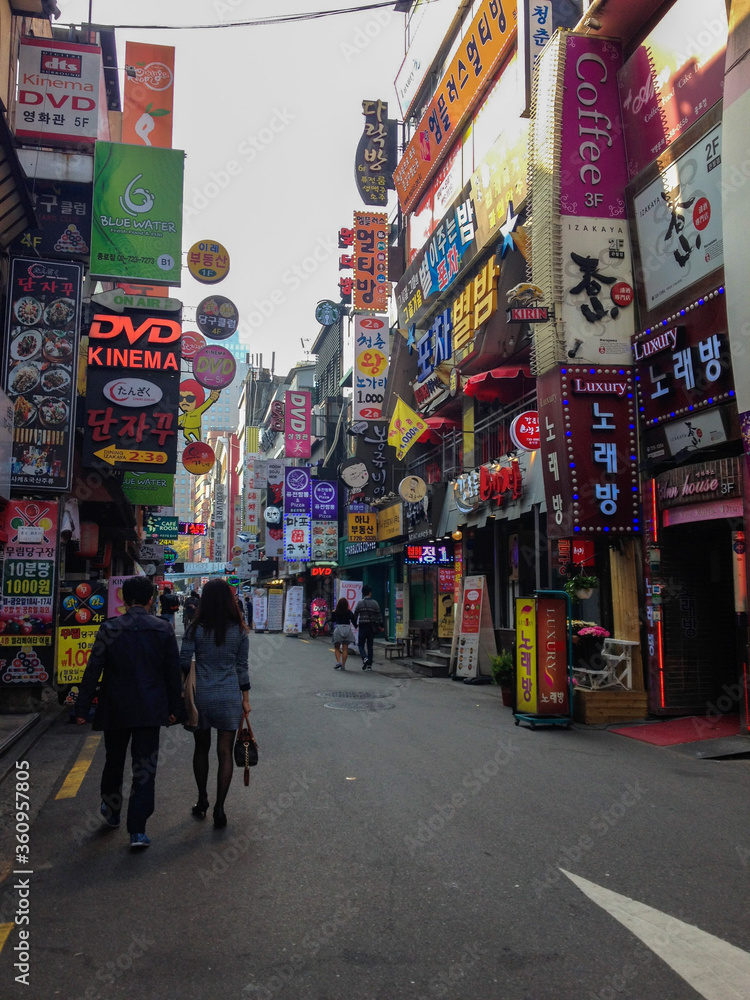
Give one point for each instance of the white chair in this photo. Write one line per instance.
(618, 658)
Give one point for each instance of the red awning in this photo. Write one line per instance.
(436, 428)
(501, 384)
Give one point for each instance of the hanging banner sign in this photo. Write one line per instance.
(148, 94)
(370, 262)
(297, 423)
(41, 362)
(371, 348)
(376, 154)
(297, 490)
(296, 537)
(63, 214)
(137, 230)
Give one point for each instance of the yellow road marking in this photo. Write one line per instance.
(5, 930)
(78, 771)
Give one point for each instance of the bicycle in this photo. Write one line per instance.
(317, 627)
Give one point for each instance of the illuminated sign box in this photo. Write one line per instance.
(428, 555)
(192, 528)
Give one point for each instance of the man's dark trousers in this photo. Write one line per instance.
(144, 753)
(366, 635)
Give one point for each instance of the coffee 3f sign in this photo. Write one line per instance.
(137, 215)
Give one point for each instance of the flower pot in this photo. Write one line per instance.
(583, 593)
(507, 693)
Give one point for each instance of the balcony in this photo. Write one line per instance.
(492, 440)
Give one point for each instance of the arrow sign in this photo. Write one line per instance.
(113, 455)
(714, 968)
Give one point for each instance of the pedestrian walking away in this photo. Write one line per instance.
(137, 657)
(368, 620)
(218, 639)
(191, 606)
(170, 604)
(343, 633)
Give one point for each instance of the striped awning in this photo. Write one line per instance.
(16, 208)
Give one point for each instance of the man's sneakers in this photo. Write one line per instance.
(367, 664)
(139, 840)
(110, 817)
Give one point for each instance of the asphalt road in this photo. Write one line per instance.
(414, 849)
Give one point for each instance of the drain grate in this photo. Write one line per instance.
(356, 695)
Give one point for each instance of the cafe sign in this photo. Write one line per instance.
(701, 482)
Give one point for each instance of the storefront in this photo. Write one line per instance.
(696, 597)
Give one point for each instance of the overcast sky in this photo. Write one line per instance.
(284, 102)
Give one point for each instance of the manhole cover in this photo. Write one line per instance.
(356, 695)
(359, 706)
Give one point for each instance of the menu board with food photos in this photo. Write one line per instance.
(40, 364)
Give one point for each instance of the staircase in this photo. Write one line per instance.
(432, 662)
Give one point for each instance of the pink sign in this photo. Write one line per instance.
(673, 78)
(593, 172)
(214, 366)
(297, 412)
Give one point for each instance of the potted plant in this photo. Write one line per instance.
(588, 643)
(502, 674)
(580, 587)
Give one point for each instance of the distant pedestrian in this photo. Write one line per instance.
(170, 605)
(191, 606)
(137, 657)
(368, 619)
(249, 611)
(218, 640)
(343, 633)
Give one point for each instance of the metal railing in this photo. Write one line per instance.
(492, 440)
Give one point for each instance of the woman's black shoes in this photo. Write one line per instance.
(220, 820)
(200, 808)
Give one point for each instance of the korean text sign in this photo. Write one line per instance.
(542, 656)
(297, 427)
(486, 42)
(40, 370)
(29, 560)
(371, 349)
(137, 228)
(63, 214)
(82, 609)
(370, 261)
(587, 425)
(132, 392)
(59, 98)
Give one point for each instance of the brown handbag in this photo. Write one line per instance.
(245, 747)
(188, 699)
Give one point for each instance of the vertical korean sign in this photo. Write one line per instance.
(44, 303)
(325, 529)
(82, 609)
(376, 154)
(297, 501)
(148, 95)
(297, 428)
(137, 229)
(370, 366)
(370, 262)
(526, 653)
(471, 620)
(28, 585)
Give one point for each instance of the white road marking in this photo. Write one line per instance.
(714, 968)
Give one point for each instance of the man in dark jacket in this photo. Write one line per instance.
(368, 620)
(170, 604)
(137, 657)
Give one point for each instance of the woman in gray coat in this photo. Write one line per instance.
(218, 640)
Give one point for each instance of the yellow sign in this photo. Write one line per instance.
(208, 262)
(405, 428)
(112, 455)
(474, 305)
(363, 527)
(412, 489)
(74, 643)
(526, 652)
(390, 522)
